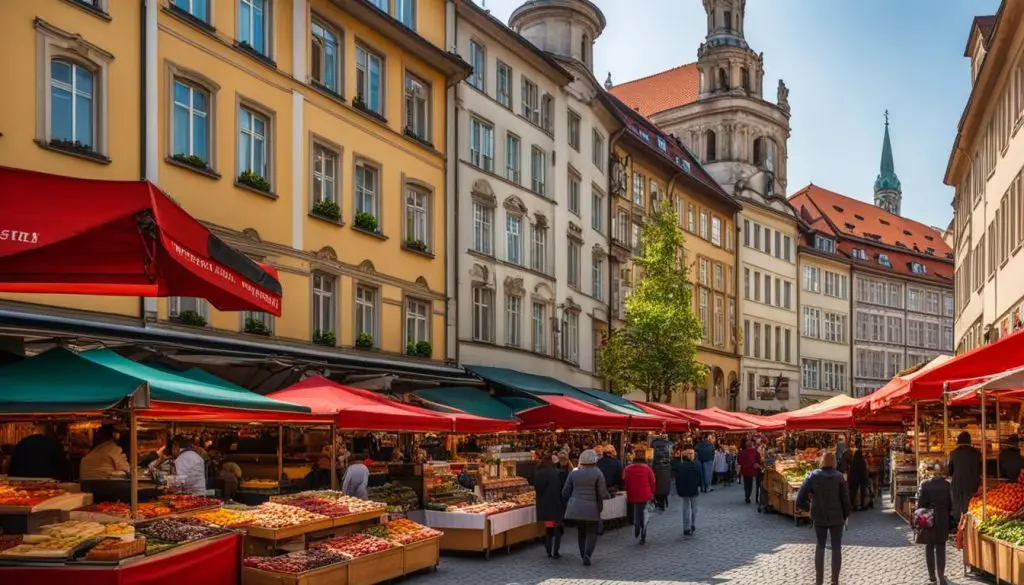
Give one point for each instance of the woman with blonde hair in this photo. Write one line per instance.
(826, 496)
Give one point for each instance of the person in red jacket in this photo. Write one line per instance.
(749, 461)
(639, 480)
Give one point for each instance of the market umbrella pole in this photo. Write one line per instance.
(334, 456)
(945, 422)
(984, 460)
(133, 442)
(280, 452)
(917, 444)
(999, 442)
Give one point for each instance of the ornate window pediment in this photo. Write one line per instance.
(514, 286)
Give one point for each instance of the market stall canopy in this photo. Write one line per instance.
(713, 421)
(470, 401)
(358, 409)
(741, 419)
(707, 422)
(897, 388)
(563, 412)
(839, 413)
(966, 369)
(123, 238)
(762, 423)
(65, 382)
(673, 423)
(1008, 384)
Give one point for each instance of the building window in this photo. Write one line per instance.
(381, 5)
(757, 286)
(691, 219)
(823, 244)
(917, 268)
(191, 309)
(481, 144)
(572, 337)
(811, 373)
(503, 92)
(405, 12)
(366, 312)
(637, 241)
(538, 170)
(199, 9)
(323, 307)
(530, 101)
(512, 158)
(573, 265)
(812, 279)
(757, 340)
(478, 59)
(483, 228)
(716, 231)
(540, 328)
(597, 153)
(483, 314)
(367, 200)
(513, 320)
(597, 275)
(835, 285)
(369, 81)
(574, 130)
(883, 259)
(705, 315)
(539, 248)
(719, 332)
(812, 322)
(417, 108)
(72, 107)
(324, 57)
(546, 113)
(596, 209)
(574, 193)
(257, 322)
(325, 169)
(417, 219)
(703, 224)
(709, 141)
(417, 322)
(191, 121)
(767, 289)
(514, 239)
(662, 144)
(252, 143)
(254, 24)
(859, 254)
(719, 276)
(638, 190)
(787, 246)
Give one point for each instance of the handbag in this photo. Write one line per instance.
(922, 518)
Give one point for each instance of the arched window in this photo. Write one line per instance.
(709, 141)
(584, 45)
(72, 107)
(758, 150)
(745, 78)
(727, 20)
(723, 80)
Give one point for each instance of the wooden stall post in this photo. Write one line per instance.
(917, 444)
(334, 456)
(133, 463)
(999, 442)
(945, 422)
(280, 452)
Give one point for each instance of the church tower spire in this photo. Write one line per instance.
(888, 193)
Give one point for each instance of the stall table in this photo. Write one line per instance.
(782, 495)
(365, 570)
(480, 533)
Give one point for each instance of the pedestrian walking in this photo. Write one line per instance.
(858, 477)
(720, 466)
(662, 464)
(749, 461)
(585, 492)
(825, 494)
(611, 467)
(548, 483)
(640, 485)
(705, 453)
(934, 506)
(689, 477)
(965, 469)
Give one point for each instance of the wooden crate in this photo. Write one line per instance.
(376, 568)
(466, 539)
(1018, 565)
(424, 554)
(288, 531)
(987, 554)
(1004, 561)
(329, 575)
(970, 543)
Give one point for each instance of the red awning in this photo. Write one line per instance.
(762, 423)
(968, 368)
(675, 423)
(124, 238)
(705, 420)
(562, 412)
(358, 409)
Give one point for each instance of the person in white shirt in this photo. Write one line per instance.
(189, 467)
(106, 460)
(357, 479)
(721, 465)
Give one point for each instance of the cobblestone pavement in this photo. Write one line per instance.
(734, 545)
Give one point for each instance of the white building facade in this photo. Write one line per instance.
(825, 340)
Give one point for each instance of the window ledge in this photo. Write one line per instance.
(427, 254)
(190, 20)
(326, 91)
(93, 10)
(207, 172)
(249, 50)
(374, 234)
(90, 156)
(481, 255)
(336, 222)
(418, 139)
(267, 194)
(362, 109)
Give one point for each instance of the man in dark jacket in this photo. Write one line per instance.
(689, 478)
(548, 483)
(827, 497)
(611, 467)
(1009, 459)
(39, 455)
(965, 469)
(705, 453)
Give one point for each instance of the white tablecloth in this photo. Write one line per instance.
(506, 521)
(614, 508)
(502, 522)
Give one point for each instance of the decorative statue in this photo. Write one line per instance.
(783, 97)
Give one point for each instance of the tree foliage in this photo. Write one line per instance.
(655, 350)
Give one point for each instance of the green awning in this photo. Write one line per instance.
(540, 386)
(61, 381)
(614, 402)
(472, 401)
(199, 375)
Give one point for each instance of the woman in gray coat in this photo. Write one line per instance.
(586, 491)
(934, 494)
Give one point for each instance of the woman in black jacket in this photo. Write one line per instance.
(935, 494)
(858, 476)
(827, 497)
(548, 482)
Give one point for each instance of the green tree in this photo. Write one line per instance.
(656, 350)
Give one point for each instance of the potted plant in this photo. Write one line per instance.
(256, 326)
(324, 338)
(364, 341)
(366, 221)
(424, 349)
(189, 318)
(327, 209)
(416, 244)
(410, 348)
(359, 102)
(254, 180)
(192, 160)
(72, 145)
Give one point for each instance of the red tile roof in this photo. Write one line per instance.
(662, 91)
(858, 224)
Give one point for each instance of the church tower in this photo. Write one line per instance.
(725, 61)
(888, 193)
(563, 28)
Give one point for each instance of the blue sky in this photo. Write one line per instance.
(845, 63)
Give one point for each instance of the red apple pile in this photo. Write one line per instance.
(356, 545)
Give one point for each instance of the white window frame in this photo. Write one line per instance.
(322, 62)
(483, 314)
(481, 144)
(478, 59)
(597, 276)
(417, 215)
(417, 320)
(539, 326)
(255, 138)
(418, 110)
(503, 87)
(574, 261)
(325, 165)
(366, 309)
(483, 228)
(324, 312)
(249, 37)
(539, 248)
(363, 193)
(365, 59)
(514, 236)
(538, 170)
(513, 320)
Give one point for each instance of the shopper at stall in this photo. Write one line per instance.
(230, 476)
(357, 478)
(826, 496)
(706, 457)
(548, 482)
(689, 476)
(319, 477)
(858, 478)
(720, 467)
(564, 464)
(106, 460)
(640, 486)
(189, 467)
(935, 500)
(965, 468)
(611, 467)
(585, 492)
(749, 461)
(39, 455)
(840, 452)
(1009, 459)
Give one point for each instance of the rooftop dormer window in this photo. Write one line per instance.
(883, 259)
(859, 254)
(917, 268)
(662, 145)
(823, 244)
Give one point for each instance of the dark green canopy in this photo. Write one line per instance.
(614, 402)
(473, 401)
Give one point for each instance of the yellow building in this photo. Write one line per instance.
(309, 134)
(651, 167)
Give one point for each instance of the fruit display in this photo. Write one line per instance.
(72, 529)
(259, 484)
(486, 508)
(399, 498)
(296, 562)
(29, 494)
(405, 531)
(179, 530)
(273, 515)
(795, 471)
(226, 517)
(525, 498)
(356, 545)
(329, 508)
(146, 510)
(185, 502)
(113, 549)
(1002, 500)
(43, 547)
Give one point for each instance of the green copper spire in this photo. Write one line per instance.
(887, 179)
